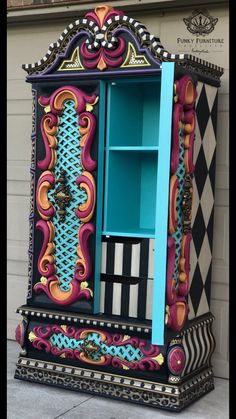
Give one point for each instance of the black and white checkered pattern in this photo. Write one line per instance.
(104, 37)
(203, 200)
(127, 272)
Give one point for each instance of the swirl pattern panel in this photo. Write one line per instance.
(66, 195)
(180, 203)
(97, 347)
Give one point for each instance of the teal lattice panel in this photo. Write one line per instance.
(68, 159)
(126, 352)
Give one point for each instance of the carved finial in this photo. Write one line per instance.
(101, 12)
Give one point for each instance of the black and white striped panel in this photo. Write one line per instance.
(198, 343)
(127, 278)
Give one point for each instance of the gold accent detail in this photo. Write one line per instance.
(89, 106)
(167, 314)
(126, 337)
(125, 367)
(43, 280)
(159, 358)
(132, 58)
(176, 97)
(175, 341)
(83, 285)
(47, 109)
(62, 355)
(32, 336)
(68, 65)
(64, 327)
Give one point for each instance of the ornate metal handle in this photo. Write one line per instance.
(62, 195)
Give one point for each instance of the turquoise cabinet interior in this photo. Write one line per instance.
(135, 161)
(133, 113)
(130, 193)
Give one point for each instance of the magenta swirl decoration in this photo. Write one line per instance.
(83, 269)
(97, 347)
(183, 129)
(102, 57)
(46, 266)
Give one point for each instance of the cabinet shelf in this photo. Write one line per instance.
(144, 149)
(148, 233)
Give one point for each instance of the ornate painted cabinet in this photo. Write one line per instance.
(121, 216)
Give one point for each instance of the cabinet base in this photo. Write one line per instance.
(169, 397)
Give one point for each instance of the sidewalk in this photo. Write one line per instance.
(35, 401)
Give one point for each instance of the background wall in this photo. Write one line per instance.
(27, 43)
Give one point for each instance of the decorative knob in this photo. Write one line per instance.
(62, 195)
(176, 360)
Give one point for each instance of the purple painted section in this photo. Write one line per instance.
(140, 50)
(64, 55)
(47, 75)
(94, 75)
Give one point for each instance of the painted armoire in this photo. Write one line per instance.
(121, 216)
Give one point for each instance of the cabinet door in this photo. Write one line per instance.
(63, 212)
(162, 194)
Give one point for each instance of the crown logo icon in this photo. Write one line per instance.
(200, 23)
